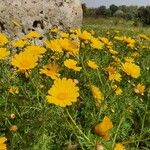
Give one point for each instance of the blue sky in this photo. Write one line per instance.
(96, 3)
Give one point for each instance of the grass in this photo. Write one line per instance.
(29, 122)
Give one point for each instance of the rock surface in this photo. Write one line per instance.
(18, 17)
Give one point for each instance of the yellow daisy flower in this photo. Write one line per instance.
(3, 39)
(54, 45)
(85, 35)
(96, 43)
(69, 46)
(51, 70)
(71, 64)
(92, 64)
(24, 61)
(97, 94)
(4, 53)
(19, 43)
(119, 146)
(14, 90)
(102, 129)
(35, 50)
(131, 69)
(2, 143)
(140, 89)
(63, 92)
(32, 35)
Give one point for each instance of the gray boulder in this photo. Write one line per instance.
(18, 17)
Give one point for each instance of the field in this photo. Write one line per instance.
(85, 90)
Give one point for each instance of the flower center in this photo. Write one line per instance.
(62, 96)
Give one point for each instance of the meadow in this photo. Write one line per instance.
(83, 89)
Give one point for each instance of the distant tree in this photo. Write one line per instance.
(123, 8)
(113, 8)
(119, 13)
(144, 15)
(108, 13)
(101, 11)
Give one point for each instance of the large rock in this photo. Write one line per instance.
(18, 17)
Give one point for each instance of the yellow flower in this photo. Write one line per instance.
(135, 54)
(2, 143)
(119, 146)
(54, 30)
(51, 70)
(54, 45)
(102, 129)
(71, 64)
(129, 59)
(140, 89)
(31, 35)
(63, 92)
(97, 94)
(117, 89)
(106, 41)
(92, 64)
(115, 76)
(24, 61)
(73, 36)
(131, 69)
(13, 90)
(64, 35)
(3, 39)
(144, 37)
(85, 35)
(130, 42)
(113, 52)
(19, 43)
(68, 46)
(35, 50)
(96, 44)
(4, 53)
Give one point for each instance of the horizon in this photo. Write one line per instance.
(107, 3)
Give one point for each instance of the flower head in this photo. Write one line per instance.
(102, 129)
(140, 89)
(3, 39)
(119, 146)
(85, 35)
(2, 143)
(71, 64)
(14, 90)
(113, 74)
(63, 92)
(92, 64)
(33, 34)
(4, 53)
(97, 94)
(19, 43)
(24, 61)
(131, 69)
(35, 50)
(69, 46)
(96, 43)
(54, 45)
(51, 70)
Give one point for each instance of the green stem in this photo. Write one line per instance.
(99, 76)
(114, 140)
(143, 121)
(77, 127)
(128, 142)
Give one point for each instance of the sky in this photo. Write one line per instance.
(97, 3)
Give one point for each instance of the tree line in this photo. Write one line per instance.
(138, 14)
